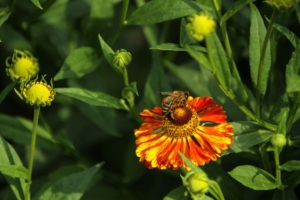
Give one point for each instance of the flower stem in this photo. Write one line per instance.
(261, 61)
(32, 149)
(277, 163)
(122, 22)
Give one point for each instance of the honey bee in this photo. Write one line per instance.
(175, 99)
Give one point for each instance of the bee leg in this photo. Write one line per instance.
(172, 115)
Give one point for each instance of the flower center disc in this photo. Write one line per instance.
(184, 123)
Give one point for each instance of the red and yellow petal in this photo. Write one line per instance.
(158, 145)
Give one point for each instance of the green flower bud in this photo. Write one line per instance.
(278, 140)
(281, 4)
(122, 58)
(198, 184)
(21, 66)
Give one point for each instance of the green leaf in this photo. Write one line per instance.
(71, 186)
(234, 8)
(109, 55)
(78, 63)
(288, 34)
(257, 36)
(37, 4)
(18, 129)
(199, 57)
(158, 11)
(220, 60)
(253, 177)
(243, 127)
(177, 194)
(92, 98)
(292, 165)
(176, 47)
(8, 156)
(131, 88)
(293, 67)
(15, 171)
(246, 140)
(156, 82)
(6, 90)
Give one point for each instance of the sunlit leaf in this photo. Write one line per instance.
(8, 156)
(79, 62)
(257, 36)
(37, 4)
(220, 60)
(292, 165)
(234, 8)
(71, 186)
(90, 97)
(158, 11)
(253, 177)
(15, 171)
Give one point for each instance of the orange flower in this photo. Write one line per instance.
(199, 130)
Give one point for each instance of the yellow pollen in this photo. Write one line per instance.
(181, 130)
(203, 25)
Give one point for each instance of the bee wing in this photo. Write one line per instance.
(165, 93)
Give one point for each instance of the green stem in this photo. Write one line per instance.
(277, 163)
(261, 61)
(231, 95)
(220, 193)
(218, 9)
(32, 148)
(293, 111)
(122, 22)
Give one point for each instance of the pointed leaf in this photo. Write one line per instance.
(79, 62)
(109, 55)
(253, 177)
(8, 156)
(72, 186)
(158, 11)
(190, 164)
(220, 59)
(5, 13)
(37, 4)
(291, 165)
(234, 8)
(92, 98)
(257, 36)
(288, 34)
(15, 171)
